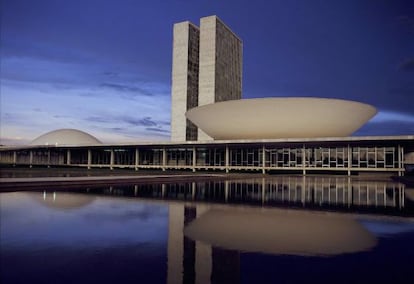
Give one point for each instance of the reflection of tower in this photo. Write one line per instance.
(175, 243)
(194, 261)
(189, 255)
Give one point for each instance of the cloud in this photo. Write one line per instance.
(10, 118)
(117, 129)
(14, 141)
(123, 124)
(61, 116)
(127, 88)
(407, 65)
(146, 121)
(45, 51)
(98, 119)
(157, 130)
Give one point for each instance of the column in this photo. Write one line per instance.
(48, 158)
(303, 192)
(227, 159)
(136, 158)
(400, 160)
(112, 160)
(194, 159)
(89, 158)
(349, 153)
(164, 158)
(303, 160)
(30, 158)
(263, 159)
(350, 192)
(14, 158)
(68, 157)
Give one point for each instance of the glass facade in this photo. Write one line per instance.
(230, 157)
(192, 79)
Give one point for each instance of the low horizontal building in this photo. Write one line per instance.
(348, 155)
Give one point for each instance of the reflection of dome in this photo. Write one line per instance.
(272, 118)
(281, 232)
(61, 200)
(66, 137)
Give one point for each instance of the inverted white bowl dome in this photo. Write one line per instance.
(277, 231)
(65, 137)
(272, 118)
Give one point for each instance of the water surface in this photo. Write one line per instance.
(284, 229)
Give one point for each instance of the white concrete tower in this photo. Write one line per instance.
(184, 90)
(207, 68)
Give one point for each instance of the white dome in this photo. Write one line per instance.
(65, 137)
(272, 118)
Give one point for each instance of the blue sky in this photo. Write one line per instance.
(105, 66)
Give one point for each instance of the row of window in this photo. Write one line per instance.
(338, 157)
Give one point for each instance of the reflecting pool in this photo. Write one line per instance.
(278, 229)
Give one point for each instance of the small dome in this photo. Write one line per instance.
(65, 137)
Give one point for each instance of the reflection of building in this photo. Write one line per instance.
(318, 192)
(281, 231)
(62, 200)
(334, 192)
(192, 261)
(207, 68)
(205, 241)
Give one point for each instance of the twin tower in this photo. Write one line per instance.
(206, 68)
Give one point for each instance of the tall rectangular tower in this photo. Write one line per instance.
(207, 68)
(220, 77)
(184, 80)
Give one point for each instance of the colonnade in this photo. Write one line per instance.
(263, 158)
